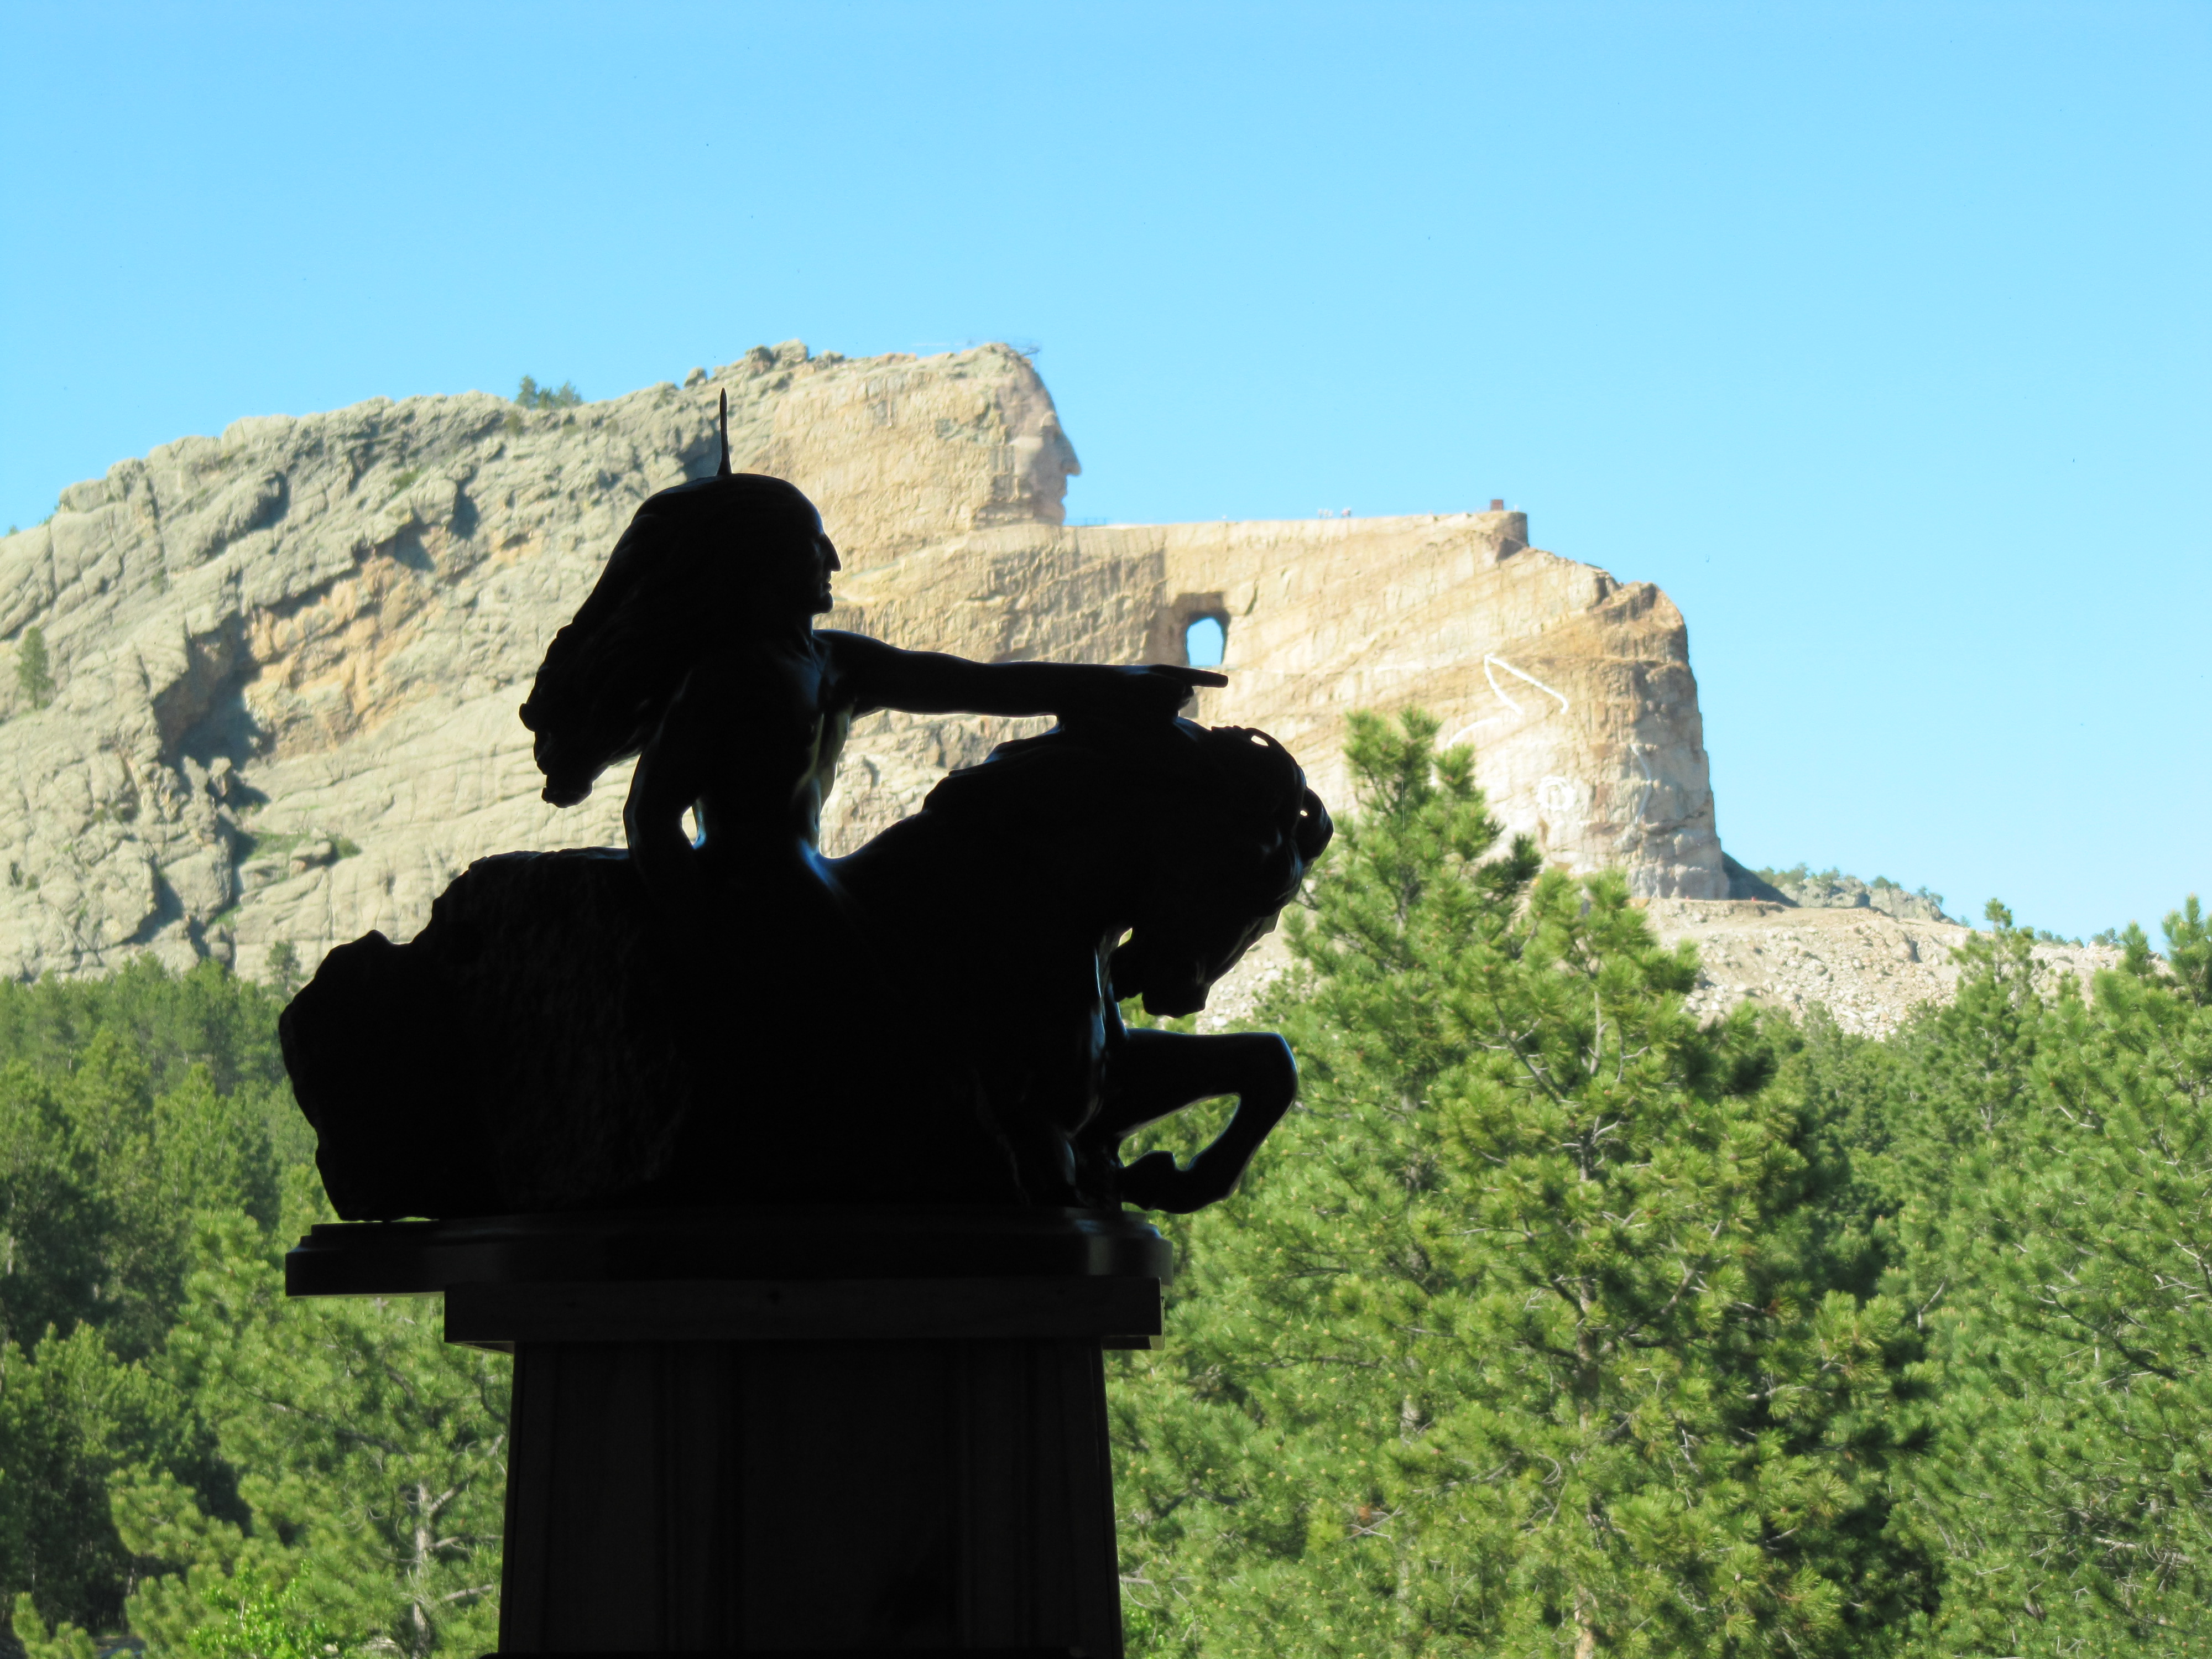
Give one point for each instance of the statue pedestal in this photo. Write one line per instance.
(799, 1431)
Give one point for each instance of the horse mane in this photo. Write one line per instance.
(1241, 773)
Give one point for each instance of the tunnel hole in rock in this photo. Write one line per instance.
(1175, 635)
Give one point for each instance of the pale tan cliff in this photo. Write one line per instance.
(287, 660)
(1575, 689)
(1867, 969)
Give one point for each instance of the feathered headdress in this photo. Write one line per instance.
(670, 585)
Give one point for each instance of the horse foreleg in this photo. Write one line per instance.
(1153, 1073)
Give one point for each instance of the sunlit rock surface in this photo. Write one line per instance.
(1574, 689)
(286, 661)
(1867, 969)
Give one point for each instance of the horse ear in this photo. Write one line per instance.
(722, 470)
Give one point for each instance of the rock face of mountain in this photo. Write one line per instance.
(1574, 689)
(1831, 890)
(1869, 967)
(282, 665)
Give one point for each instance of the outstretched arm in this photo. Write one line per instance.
(930, 682)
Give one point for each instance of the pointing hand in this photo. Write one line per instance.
(1151, 693)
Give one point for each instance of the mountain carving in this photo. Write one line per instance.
(285, 662)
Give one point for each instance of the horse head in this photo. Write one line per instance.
(1233, 831)
(1199, 835)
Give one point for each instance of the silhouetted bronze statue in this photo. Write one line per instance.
(728, 1017)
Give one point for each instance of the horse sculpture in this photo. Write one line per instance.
(550, 1040)
(719, 1014)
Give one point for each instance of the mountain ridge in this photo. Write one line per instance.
(281, 664)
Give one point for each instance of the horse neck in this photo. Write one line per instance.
(1040, 880)
(1077, 874)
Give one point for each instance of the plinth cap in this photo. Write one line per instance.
(415, 1258)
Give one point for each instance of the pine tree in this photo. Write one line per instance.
(2058, 1231)
(1517, 1341)
(131, 1108)
(368, 1456)
(283, 965)
(530, 395)
(33, 674)
(72, 1417)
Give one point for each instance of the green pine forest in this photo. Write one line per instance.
(1550, 1322)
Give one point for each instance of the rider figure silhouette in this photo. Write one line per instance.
(697, 652)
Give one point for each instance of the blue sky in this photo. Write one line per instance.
(1877, 335)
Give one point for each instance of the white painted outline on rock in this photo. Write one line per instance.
(1499, 692)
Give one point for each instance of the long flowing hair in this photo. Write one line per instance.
(695, 570)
